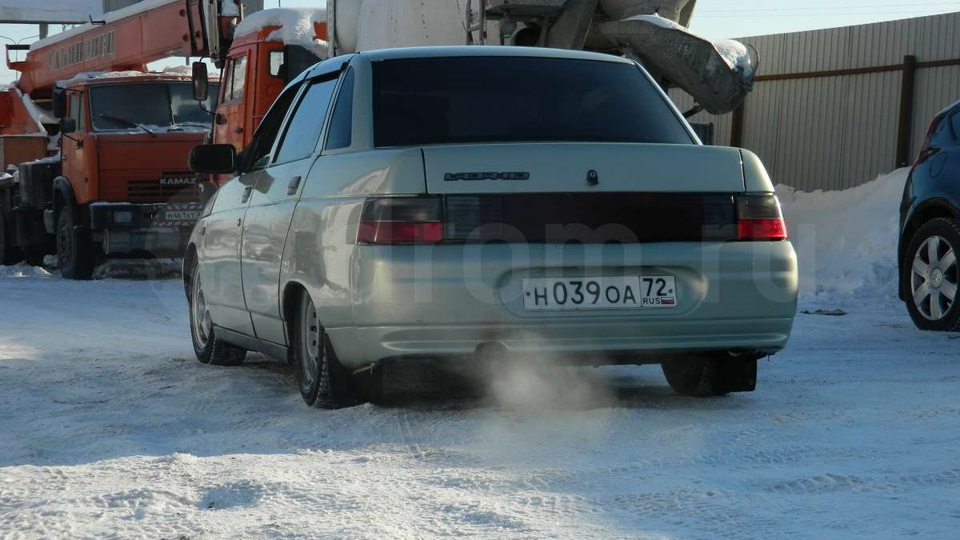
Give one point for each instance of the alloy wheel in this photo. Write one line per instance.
(202, 324)
(934, 277)
(311, 346)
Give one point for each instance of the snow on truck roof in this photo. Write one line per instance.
(296, 26)
(177, 73)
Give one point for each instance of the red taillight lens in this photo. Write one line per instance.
(759, 218)
(401, 220)
(397, 232)
(762, 229)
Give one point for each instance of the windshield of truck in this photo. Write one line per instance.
(150, 106)
(497, 99)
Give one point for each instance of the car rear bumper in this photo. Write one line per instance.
(450, 300)
(586, 341)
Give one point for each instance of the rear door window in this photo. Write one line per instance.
(303, 132)
(497, 99)
(341, 123)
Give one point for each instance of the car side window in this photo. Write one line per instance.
(341, 123)
(303, 131)
(257, 155)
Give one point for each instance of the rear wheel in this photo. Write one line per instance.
(75, 251)
(8, 253)
(933, 276)
(711, 375)
(208, 348)
(322, 381)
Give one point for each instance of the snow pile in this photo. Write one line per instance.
(294, 27)
(23, 270)
(846, 241)
(734, 53)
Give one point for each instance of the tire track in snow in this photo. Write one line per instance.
(838, 483)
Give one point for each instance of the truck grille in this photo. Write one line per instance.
(168, 188)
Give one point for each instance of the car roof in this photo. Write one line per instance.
(487, 51)
(949, 109)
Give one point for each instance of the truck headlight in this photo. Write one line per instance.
(123, 217)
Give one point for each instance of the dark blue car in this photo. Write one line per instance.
(930, 228)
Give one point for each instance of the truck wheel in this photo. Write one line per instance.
(8, 253)
(322, 380)
(208, 348)
(710, 376)
(74, 248)
(932, 276)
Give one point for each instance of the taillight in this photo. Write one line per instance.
(401, 220)
(759, 218)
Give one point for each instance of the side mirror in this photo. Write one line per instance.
(201, 82)
(59, 103)
(213, 159)
(68, 125)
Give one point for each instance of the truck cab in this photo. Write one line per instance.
(120, 185)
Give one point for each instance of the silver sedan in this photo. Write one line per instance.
(450, 202)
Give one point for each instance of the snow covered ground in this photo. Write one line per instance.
(110, 429)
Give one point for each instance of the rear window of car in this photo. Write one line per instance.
(497, 99)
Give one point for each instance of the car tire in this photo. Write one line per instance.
(8, 253)
(931, 285)
(206, 345)
(322, 380)
(710, 376)
(75, 254)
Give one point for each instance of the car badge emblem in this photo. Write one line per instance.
(593, 178)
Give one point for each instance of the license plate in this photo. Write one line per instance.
(181, 215)
(584, 294)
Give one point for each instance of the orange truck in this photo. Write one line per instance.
(95, 148)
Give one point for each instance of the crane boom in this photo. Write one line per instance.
(126, 39)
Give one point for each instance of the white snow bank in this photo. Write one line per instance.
(296, 26)
(846, 241)
(22, 270)
(734, 53)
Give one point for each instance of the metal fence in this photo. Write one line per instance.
(832, 109)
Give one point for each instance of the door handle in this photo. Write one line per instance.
(246, 194)
(239, 221)
(221, 120)
(293, 186)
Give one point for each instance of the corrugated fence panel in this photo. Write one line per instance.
(871, 115)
